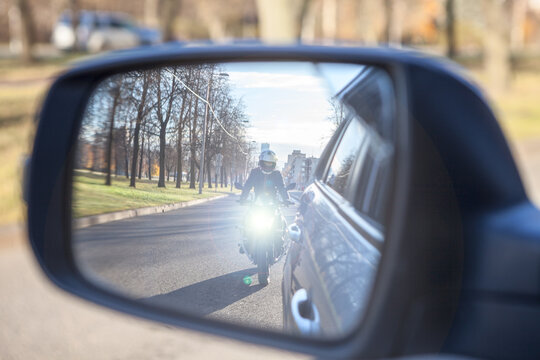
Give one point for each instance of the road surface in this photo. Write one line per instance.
(39, 321)
(185, 259)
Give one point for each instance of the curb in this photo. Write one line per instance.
(88, 221)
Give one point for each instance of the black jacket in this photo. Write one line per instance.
(270, 184)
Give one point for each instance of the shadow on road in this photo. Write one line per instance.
(205, 297)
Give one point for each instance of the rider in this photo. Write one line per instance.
(265, 179)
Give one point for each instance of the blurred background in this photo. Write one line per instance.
(497, 42)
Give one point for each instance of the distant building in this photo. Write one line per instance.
(299, 169)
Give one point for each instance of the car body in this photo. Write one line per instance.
(98, 31)
(341, 217)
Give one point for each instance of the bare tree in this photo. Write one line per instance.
(74, 9)
(395, 15)
(277, 20)
(181, 123)
(164, 116)
(519, 15)
(24, 20)
(115, 94)
(338, 112)
(451, 46)
(193, 128)
(497, 43)
(329, 19)
(140, 113)
(168, 13)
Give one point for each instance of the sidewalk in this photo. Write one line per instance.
(87, 221)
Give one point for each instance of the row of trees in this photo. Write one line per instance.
(151, 122)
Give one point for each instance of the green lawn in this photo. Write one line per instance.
(519, 109)
(22, 88)
(91, 196)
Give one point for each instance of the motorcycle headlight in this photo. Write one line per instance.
(260, 221)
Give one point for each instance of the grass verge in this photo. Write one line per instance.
(92, 197)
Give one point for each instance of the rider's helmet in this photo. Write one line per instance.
(267, 161)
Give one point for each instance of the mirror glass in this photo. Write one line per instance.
(247, 192)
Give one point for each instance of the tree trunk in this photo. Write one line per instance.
(140, 113)
(116, 157)
(26, 30)
(74, 8)
(394, 14)
(519, 16)
(110, 136)
(212, 19)
(368, 21)
(163, 122)
(209, 173)
(141, 158)
(497, 44)
(179, 165)
(451, 49)
(151, 13)
(221, 175)
(193, 144)
(180, 135)
(162, 143)
(149, 160)
(126, 163)
(276, 21)
(329, 19)
(168, 16)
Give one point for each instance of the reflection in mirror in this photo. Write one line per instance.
(253, 193)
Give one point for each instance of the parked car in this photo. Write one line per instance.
(98, 31)
(340, 227)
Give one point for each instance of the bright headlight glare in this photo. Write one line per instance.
(260, 221)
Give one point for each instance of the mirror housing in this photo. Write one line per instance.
(405, 313)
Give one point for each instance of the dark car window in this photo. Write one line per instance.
(344, 157)
(372, 188)
(369, 188)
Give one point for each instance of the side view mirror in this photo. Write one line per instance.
(136, 155)
(294, 232)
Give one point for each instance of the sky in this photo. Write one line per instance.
(287, 102)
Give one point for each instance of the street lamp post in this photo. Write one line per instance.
(201, 169)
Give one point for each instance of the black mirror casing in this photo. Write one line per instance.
(419, 283)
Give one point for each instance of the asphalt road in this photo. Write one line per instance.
(186, 259)
(39, 321)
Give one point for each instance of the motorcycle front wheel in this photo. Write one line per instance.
(262, 266)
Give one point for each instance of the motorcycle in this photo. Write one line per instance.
(264, 233)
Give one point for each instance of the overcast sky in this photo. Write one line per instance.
(287, 102)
